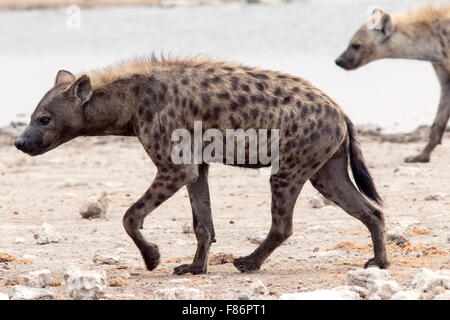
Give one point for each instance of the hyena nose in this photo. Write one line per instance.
(338, 61)
(19, 143)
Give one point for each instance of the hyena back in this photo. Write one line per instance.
(150, 98)
(422, 35)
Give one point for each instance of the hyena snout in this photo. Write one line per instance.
(20, 143)
(30, 144)
(339, 61)
(345, 62)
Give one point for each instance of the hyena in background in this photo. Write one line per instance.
(150, 98)
(421, 35)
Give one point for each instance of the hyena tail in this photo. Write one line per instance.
(360, 171)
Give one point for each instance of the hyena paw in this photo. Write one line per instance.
(384, 264)
(245, 264)
(189, 268)
(151, 256)
(418, 158)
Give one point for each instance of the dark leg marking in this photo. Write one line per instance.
(283, 201)
(203, 224)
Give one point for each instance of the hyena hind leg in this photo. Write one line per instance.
(284, 196)
(203, 224)
(333, 182)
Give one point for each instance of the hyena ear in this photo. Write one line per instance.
(81, 88)
(387, 26)
(64, 76)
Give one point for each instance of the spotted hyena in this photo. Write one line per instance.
(423, 35)
(150, 98)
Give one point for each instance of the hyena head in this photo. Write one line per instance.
(58, 117)
(369, 42)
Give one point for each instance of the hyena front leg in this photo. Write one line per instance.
(203, 223)
(163, 187)
(440, 122)
(436, 132)
(284, 196)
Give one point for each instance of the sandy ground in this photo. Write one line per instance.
(51, 188)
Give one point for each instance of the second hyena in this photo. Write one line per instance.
(150, 98)
(421, 35)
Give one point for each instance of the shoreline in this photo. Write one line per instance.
(95, 4)
(371, 131)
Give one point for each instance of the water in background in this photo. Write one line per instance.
(301, 38)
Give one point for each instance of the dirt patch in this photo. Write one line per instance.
(221, 258)
(421, 231)
(4, 257)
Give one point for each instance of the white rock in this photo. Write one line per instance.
(46, 233)
(85, 285)
(125, 275)
(409, 171)
(95, 207)
(236, 294)
(179, 293)
(257, 238)
(121, 250)
(322, 295)
(427, 278)
(409, 222)
(317, 202)
(69, 182)
(384, 289)
(38, 279)
(443, 296)
(318, 228)
(242, 295)
(258, 287)
(19, 240)
(105, 259)
(399, 235)
(327, 254)
(365, 277)
(27, 293)
(406, 295)
(4, 296)
(431, 283)
(182, 280)
(362, 292)
(187, 228)
(112, 184)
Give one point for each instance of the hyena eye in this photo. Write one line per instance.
(44, 121)
(356, 46)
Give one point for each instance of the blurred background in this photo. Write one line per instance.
(301, 37)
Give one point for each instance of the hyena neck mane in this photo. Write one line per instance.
(421, 34)
(119, 91)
